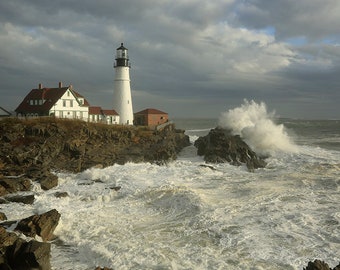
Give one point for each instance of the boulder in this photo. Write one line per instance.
(221, 146)
(25, 199)
(60, 194)
(42, 225)
(317, 265)
(320, 265)
(49, 182)
(3, 216)
(16, 253)
(29, 255)
(43, 176)
(14, 184)
(6, 239)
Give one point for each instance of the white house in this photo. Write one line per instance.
(63, 102)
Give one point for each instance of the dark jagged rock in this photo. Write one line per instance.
(42, 175)
(17, 253)
(207, 166)
(320, 265)
(116, 188)
(3, 216)
(61, 194)
(42, 225)
(25, 199)
(102, 268)
(29, 255)
(10, 185)
(221, 146)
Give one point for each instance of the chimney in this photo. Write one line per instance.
(60, 84)
(71, 86)
(40, 86)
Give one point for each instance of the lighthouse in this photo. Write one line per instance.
(122, 93)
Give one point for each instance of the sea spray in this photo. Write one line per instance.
(255, 125)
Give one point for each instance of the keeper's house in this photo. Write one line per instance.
(63, 102)
(150, 117)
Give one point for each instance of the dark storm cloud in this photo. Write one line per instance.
(313, 19)
(191, 58)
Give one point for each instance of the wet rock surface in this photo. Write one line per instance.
(19, 253)
(42, 225)
(221, 146)
(320, 265)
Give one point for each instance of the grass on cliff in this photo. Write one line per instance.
(74, 124)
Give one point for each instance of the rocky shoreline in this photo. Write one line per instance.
(31, 150)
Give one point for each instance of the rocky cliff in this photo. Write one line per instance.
(221, 146)
(30, 149)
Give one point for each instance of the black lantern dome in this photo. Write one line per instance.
(122, 57)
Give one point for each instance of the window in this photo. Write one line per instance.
(71, 103)
(64, 103)
(68, 93)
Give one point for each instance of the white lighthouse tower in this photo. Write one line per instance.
(122, 93)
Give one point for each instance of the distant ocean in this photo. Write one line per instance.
(185, 216)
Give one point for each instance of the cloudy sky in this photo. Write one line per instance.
(190, 58)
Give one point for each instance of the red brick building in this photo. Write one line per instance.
(150, 117)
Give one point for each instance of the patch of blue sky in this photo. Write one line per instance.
(297, 41)
(269, 30)
(331, 41)
(31, 30)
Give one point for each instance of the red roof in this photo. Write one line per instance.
(109, 112)
(151, 111)
(50, 97)
(95, 110)
(99, 110)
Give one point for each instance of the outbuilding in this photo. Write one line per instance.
(150, 117)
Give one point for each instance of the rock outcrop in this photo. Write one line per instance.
(30, 149)
(42, 225)
(221, 146)
(17, 253)
(320, 265)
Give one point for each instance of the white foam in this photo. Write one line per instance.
(256, 126)
(187, 216)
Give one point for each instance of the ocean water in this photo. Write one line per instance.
(186, 216)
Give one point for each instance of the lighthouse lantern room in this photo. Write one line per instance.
(122, 92)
